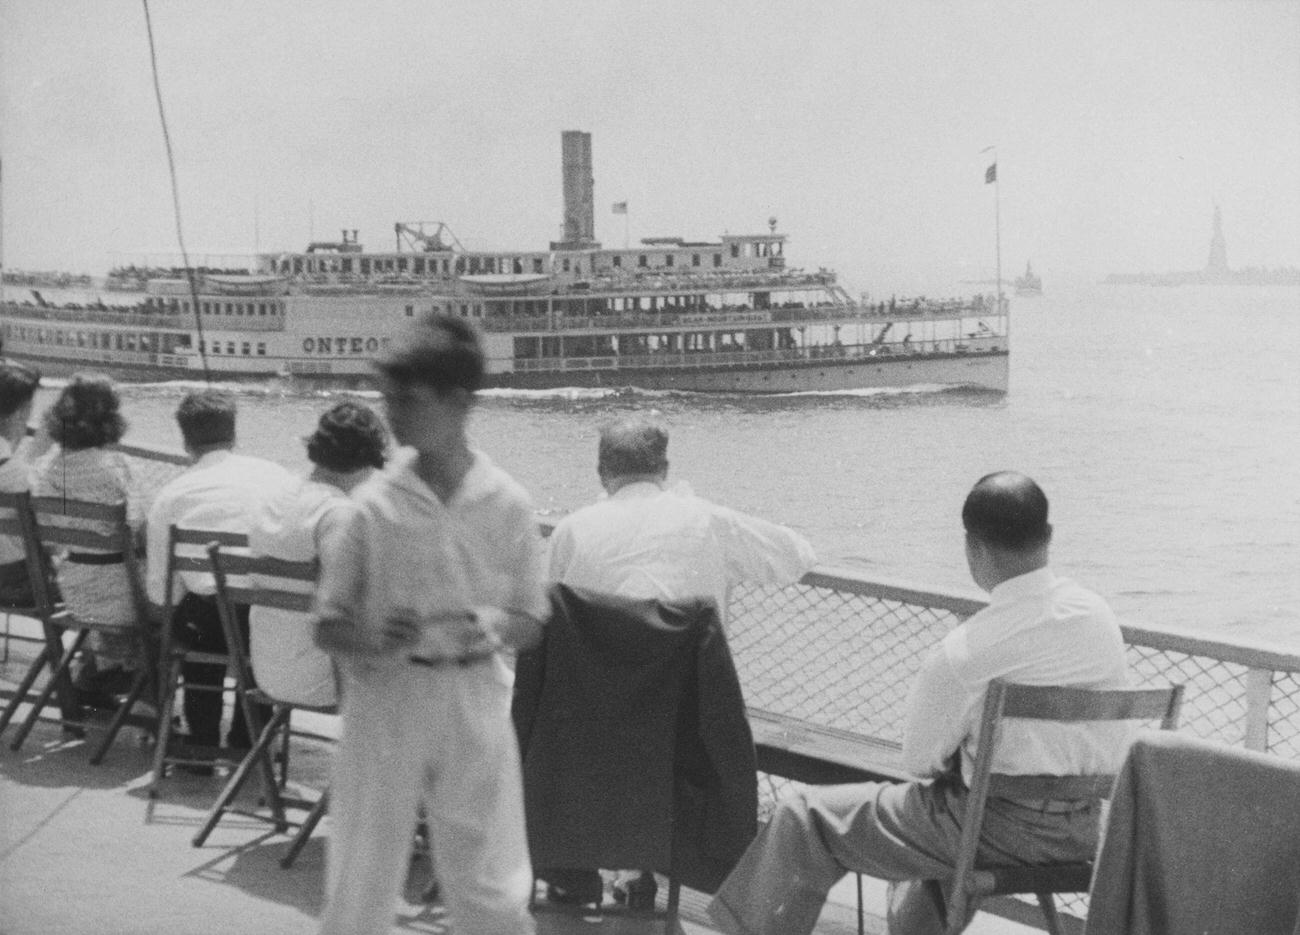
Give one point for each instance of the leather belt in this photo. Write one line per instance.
(96, 558)
(444, 662)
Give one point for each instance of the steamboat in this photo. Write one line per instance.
(727, 315)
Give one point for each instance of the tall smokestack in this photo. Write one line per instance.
(579, 196)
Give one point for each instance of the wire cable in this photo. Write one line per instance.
(176, 196)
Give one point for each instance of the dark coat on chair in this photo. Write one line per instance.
(631, 724)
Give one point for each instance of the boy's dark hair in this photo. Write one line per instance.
(87, 413)
(1009, 510)
(441, 352)
(348, 437)
(632, 446)
(207, 418)
(18, 384)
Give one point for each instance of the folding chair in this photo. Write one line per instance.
(291, 590)
(16, 520)
(48, 534)
(186, 552)
(969, 884)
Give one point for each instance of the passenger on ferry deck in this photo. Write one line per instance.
(437, 568)
(1037, 629)
(84, 420)
(648, 539)
(645, 539)
(346, 448)
(220, 491)
(18, 385)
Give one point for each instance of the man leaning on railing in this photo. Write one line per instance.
(1037, 629)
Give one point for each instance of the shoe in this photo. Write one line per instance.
(96, 700)
(570, 887)
(637, 892)
(197, 769)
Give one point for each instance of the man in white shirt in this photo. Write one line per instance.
(436, 570)
(648, 540)
(1037, 629)
(220, 491)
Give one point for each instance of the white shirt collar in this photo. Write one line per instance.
(1040, 579)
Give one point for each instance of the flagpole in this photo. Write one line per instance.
(625, 228)
(997, 228)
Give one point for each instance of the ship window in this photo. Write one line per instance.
(537, 264)
(564, 265)
(365, 267)
(230, 347)
(668, 260)
(478, 310)
(735, 249)
(247, 349)
(410, 311)
(518, 265)
(464, 311)
(401, 264)
(297, 265)
(618, 262)
(641, 260)
(717, 259)
(275, 308)
(261, 349)
(418, 264)
(695, 259)
(346, 264)
(216, 347)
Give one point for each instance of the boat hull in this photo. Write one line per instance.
(983, 370)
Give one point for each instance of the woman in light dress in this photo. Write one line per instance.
(84, 421)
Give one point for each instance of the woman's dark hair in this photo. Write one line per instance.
(348, 437)
(207, 419)
(87, 414)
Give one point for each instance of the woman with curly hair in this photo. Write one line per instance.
(349, 444)
(84, 421)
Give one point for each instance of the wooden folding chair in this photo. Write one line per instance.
(49, 534)
(16, 520)
(285, 585)
(969, 884)
(187, 552)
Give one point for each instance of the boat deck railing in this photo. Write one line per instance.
(840, 649)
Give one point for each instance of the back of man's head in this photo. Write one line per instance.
(18, 384)
(633, 446)
(1008, 511)
(207, 420)
(439, 351)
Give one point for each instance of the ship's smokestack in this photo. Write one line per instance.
(579, 192)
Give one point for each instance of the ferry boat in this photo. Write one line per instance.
(1030, 283)
(724, 315)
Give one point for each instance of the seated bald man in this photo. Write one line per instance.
(1037, 629)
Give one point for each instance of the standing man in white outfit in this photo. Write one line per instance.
(436, 571)
(1037, 629)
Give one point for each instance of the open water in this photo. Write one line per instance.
(1164, 425)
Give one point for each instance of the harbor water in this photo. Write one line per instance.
(1164, 425)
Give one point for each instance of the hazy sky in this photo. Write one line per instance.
(859, 125)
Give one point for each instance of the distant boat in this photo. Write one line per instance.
(1029, 284)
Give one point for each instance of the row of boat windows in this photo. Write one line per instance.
(156, 342)
(690, 342)
(236, 309)
(475, 265)
(245, 348)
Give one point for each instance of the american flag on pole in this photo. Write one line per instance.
(991, 174)
(620, 207)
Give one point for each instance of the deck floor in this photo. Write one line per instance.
(83, 851)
